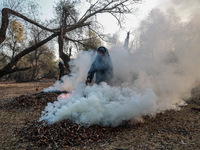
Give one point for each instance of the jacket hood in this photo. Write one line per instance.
(103, 49)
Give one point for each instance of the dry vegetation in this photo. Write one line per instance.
(21, 105)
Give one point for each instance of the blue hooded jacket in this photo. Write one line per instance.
(102, 66)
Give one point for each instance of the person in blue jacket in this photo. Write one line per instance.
(102, 66)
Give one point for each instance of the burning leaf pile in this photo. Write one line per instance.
(62, 134)
(66, 133)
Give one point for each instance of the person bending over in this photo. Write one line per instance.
(102, 66)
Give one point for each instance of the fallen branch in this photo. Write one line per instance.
(18, 69)
(5, 22)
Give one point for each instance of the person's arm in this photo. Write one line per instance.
(91, 73)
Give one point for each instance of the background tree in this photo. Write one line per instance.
(93, 42)
(15, 38)
(42, 63)
(35, 60)
(3, 60)
(49, 66)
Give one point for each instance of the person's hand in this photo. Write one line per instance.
(87, 81)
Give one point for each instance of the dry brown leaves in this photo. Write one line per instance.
(169, 130)
(66, 134)
(63, 134)
(38, 100)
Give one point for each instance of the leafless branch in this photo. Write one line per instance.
(98, 34)
(5, 22)
(112, 6)
(73, 40)
(4, 57)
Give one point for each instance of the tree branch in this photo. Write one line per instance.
(4, 57)
(5, 22)
(18, 69)
(113, 5)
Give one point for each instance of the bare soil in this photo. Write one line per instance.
(21, 105)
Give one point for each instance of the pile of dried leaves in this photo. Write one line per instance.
(66, 134)
(30, 101)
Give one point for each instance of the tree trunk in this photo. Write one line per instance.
(62, 55)
(4, 25)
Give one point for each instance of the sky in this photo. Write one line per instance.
(109, 23)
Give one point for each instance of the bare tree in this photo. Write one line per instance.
(117, 8)
(126, 42)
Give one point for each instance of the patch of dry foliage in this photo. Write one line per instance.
(169, 130)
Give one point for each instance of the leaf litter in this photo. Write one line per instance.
(169, 130)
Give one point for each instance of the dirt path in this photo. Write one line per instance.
(170, 130)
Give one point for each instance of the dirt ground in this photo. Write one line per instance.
(169, 130)
(10, 119)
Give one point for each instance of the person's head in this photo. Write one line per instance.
(60, 63)
(102, 51)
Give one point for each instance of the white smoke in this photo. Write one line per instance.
(101, 104)
(158, 76)
(184, 8)
(79, 69)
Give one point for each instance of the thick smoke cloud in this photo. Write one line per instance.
(158, 76)
(184, 4)
(186, 9)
